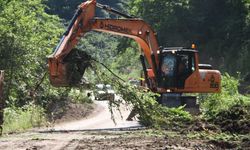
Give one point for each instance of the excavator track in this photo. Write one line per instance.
(189, 103)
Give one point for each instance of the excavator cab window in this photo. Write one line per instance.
(175, 68)
(185, 67)
(168, 67)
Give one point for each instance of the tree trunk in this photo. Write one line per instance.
(2, 102)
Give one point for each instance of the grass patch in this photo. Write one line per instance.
(20, 119)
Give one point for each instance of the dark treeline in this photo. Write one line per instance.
(65, 9)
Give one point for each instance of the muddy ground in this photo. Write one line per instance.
(111, 139)
(101, 140)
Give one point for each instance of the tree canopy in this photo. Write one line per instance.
(219, 28)
(27, 35)
(65, 9)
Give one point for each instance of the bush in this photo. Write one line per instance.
(151, 113)
(19, 119)
(79, 96)
(212, 104)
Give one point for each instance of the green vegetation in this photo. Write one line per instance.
(228, 109)
(124, 68)
(79, 96)
(65, 9)
(224, 122)
(27, 35)
(219, 28)
(20, 119)
(223, 140)
(212, 104)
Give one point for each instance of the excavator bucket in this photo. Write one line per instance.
(69, 72)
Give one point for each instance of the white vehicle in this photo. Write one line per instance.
(104, 92)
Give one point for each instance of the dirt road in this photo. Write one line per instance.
(100, 119)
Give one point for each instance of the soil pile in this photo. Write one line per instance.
(235, 120)
(64, 110)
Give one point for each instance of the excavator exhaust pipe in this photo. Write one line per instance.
(70, 71)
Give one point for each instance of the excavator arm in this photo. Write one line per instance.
(84, 21)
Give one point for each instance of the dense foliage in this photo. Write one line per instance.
(27, 35)
(219, 28)
(65, 9)
(19, 119)
(228, 109)
(212, 104)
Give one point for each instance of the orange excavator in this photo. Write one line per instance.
(167, 71)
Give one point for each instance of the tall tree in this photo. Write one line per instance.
(27, 35)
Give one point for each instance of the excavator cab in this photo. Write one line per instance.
(176, 65)
(179, 71)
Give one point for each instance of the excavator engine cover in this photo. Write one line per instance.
(70, 71)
